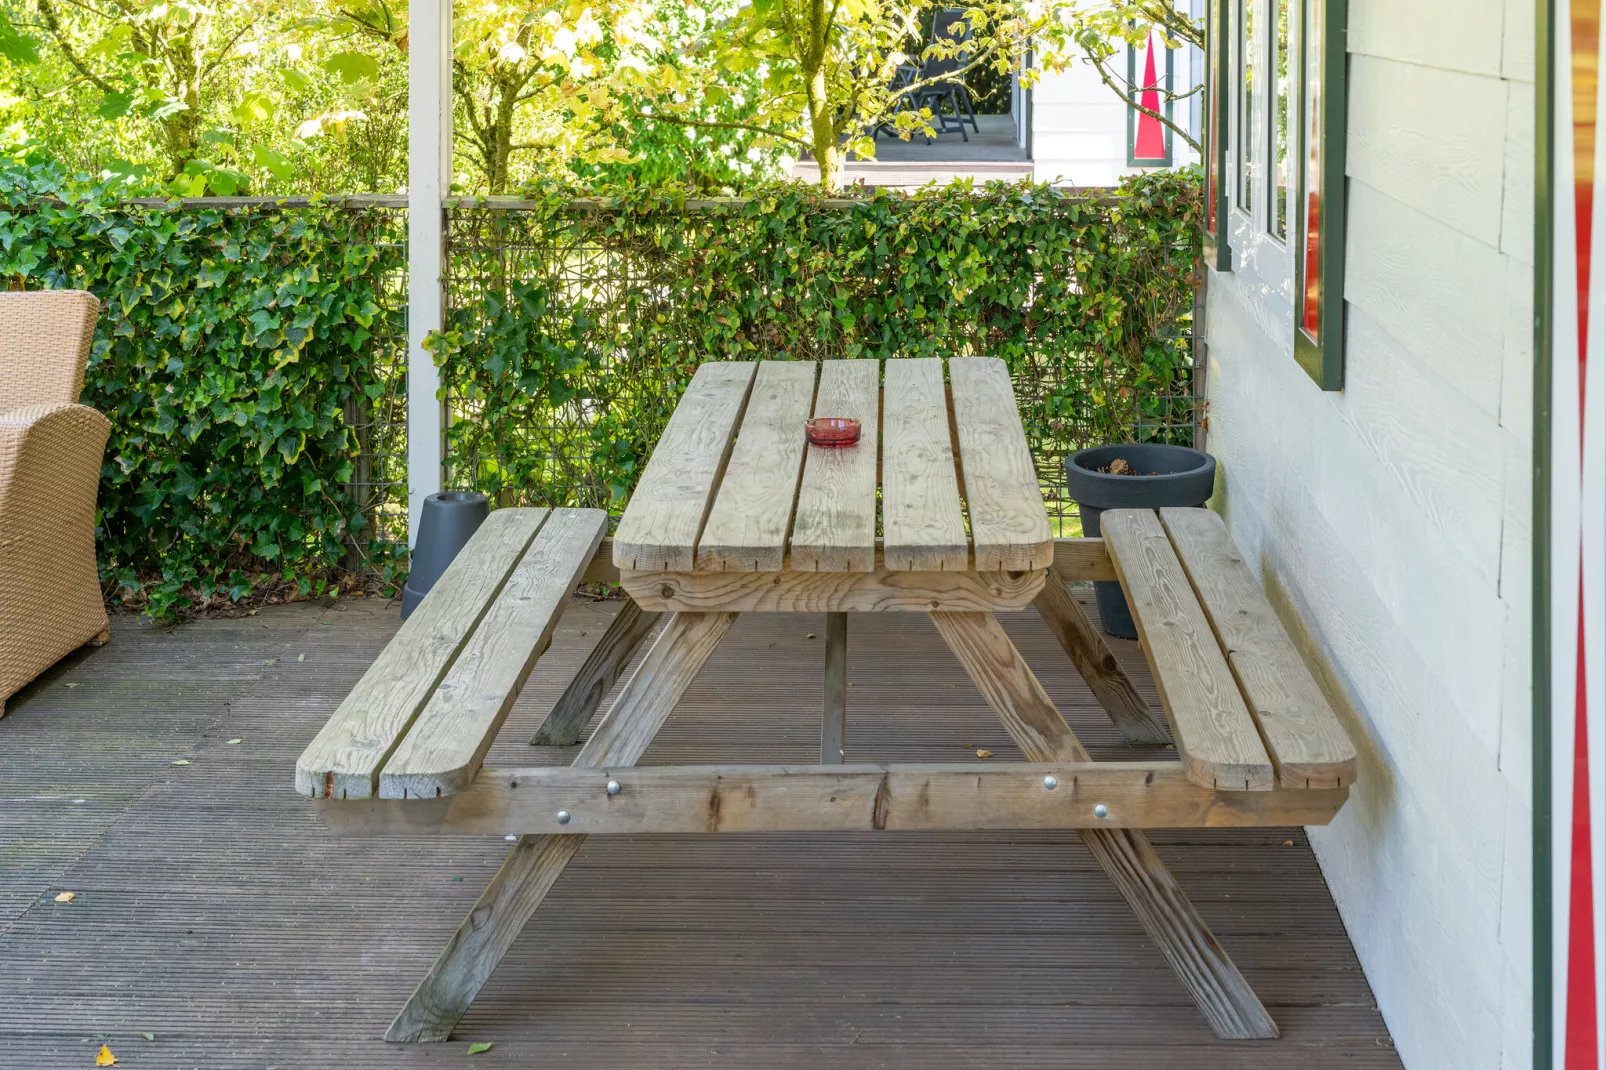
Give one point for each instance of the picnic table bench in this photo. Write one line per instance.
(736, 513)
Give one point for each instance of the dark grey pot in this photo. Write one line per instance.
(1182, 477)
(449, 520)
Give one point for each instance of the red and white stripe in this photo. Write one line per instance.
(1578, 545)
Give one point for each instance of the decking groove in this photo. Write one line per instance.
(214, 911)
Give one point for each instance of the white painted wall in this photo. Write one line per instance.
(1390, 521)
(1079, 124)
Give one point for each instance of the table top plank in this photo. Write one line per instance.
(1214, 734)
(1310, 747)
(343, 759)
(1008, 521)
(660, 527)
(836, 504)
(442, 752)
(922, 518)
(746, 529)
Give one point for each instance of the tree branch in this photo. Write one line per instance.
(48, 10)
(1104, 76)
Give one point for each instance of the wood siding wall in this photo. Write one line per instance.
(1390, 521)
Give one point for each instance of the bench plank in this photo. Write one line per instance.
(343, 759)
(920, 510)
(855, 797)
(443, 750)
(667, 510)
(836, 503)
(1008, 522)
(1310, 747)
(746, 529)
(1214, 734)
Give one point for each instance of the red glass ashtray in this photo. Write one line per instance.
(832, 431)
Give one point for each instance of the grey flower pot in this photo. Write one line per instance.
(449, 520)
(1180, 477)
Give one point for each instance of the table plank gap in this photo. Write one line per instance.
(1008, 521)
(1310, 747)
(922, 516)
(836, 507)
(666, 513)
(752, 510)
(1210, 722)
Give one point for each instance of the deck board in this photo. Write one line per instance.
(215, 912)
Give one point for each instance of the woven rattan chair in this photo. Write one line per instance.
(50, 453)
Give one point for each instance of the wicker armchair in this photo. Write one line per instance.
(50, 454)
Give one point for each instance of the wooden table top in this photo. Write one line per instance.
(734, 486)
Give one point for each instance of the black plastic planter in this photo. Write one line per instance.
(449, 520)
(1169, 476)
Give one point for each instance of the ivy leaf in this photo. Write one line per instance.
(352, 67)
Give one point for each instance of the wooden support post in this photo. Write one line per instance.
(1035, 724)
(1093, 659)
(834, 716)
(605, 664)
(503, 909)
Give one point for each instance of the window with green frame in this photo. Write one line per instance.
(1274, 161)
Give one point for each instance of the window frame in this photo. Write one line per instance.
(1218, 199)
(1167, 83)
(1276, 270)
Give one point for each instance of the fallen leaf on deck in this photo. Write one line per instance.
(71, 685)
(182, 761)
(232, 741)
(476, 1048)
(457, 878)
(66, 897)
(984, 753)
(1170, 746)
(148, 1036)
(1288, 843)
(809, 636)
(105, 1058)
(301, 657)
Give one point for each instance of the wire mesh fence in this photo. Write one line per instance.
(572, 329)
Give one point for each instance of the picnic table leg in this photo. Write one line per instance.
(605, 664)
(834, 716)
(1171, 921)
(533, 866)
(1092, 657)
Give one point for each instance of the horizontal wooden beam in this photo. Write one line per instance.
(881, 591)
(1074, 559)
(840, 798)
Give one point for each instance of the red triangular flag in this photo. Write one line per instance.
(1151, 135)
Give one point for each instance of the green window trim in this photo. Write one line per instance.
(1218, 248)
(1322, 192)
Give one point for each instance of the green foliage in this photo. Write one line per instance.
(232, 349)
(579, 327)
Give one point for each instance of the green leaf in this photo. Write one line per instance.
(352, 66)
(114, 105)
(479, 1046)
(16, 47)
(273, 162)
(147, 1036)
(295, 79)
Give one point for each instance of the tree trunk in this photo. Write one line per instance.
(822, 132)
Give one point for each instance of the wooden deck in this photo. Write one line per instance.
(213, 911)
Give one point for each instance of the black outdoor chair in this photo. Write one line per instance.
(947, 23)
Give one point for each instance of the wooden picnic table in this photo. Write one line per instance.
(736, 513)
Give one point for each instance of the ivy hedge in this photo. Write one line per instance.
(233, 348)
(252, 358)
(572, 327)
